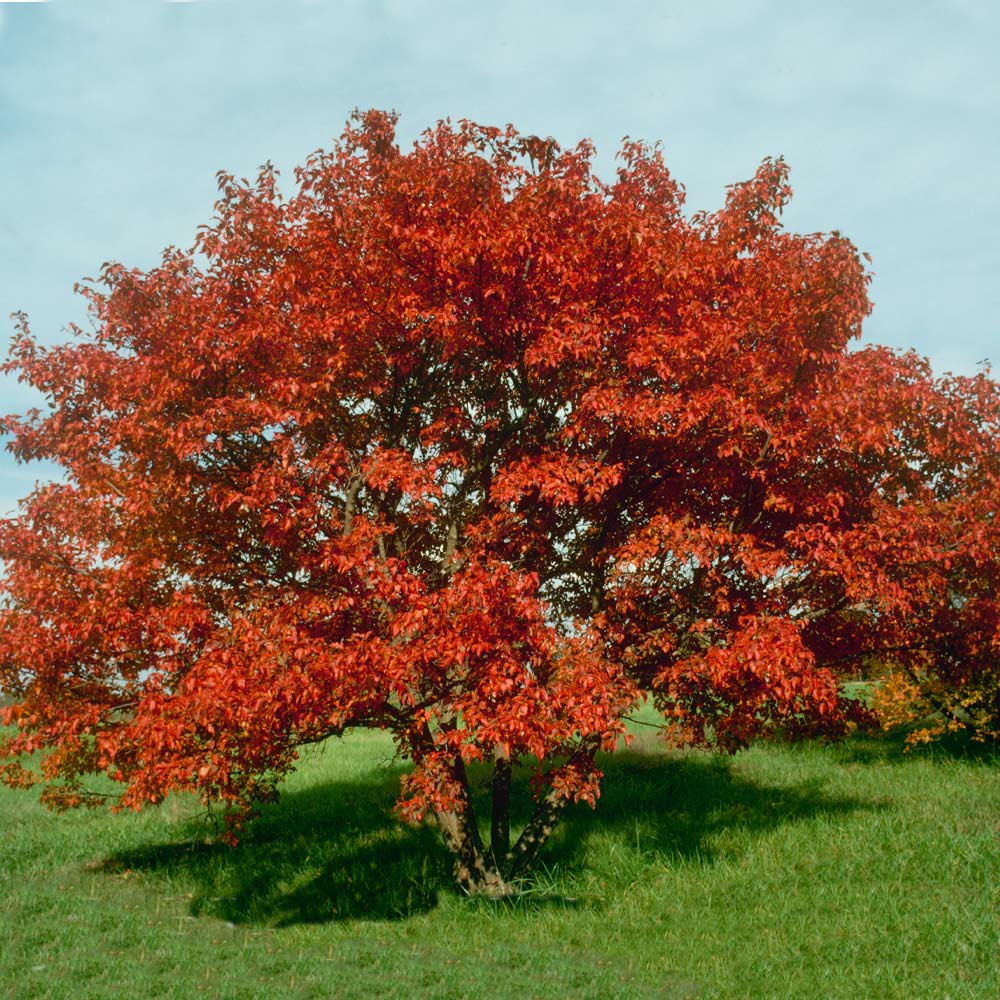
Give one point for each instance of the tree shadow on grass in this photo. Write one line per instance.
(892, 748)
(671, 807)
(333, 851)
(336, 851)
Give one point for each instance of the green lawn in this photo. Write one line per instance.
(786, 872)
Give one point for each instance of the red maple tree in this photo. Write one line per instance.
(464, 444)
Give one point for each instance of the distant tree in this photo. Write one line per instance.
(464, 444)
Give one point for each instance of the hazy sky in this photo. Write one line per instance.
(114, 119)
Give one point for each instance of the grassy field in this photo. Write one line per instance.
(794, 872)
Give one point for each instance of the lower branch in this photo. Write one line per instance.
(545, 819)
(534, 835)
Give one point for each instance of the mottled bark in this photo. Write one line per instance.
(544, 820)
(533, 837)
(495, 870)
(476, 872)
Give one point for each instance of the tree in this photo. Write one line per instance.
(465, 444)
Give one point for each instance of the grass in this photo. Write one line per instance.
(854, 871)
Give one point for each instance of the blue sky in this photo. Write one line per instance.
(114, 119)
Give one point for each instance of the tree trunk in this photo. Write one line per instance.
(476, 871)
(500, 827)
(534, 835)
(545, 819)
(494, 872)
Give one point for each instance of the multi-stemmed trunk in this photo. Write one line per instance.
(496, 869)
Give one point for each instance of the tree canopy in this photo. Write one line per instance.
(465, 444)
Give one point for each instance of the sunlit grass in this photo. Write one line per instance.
(791, 872)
